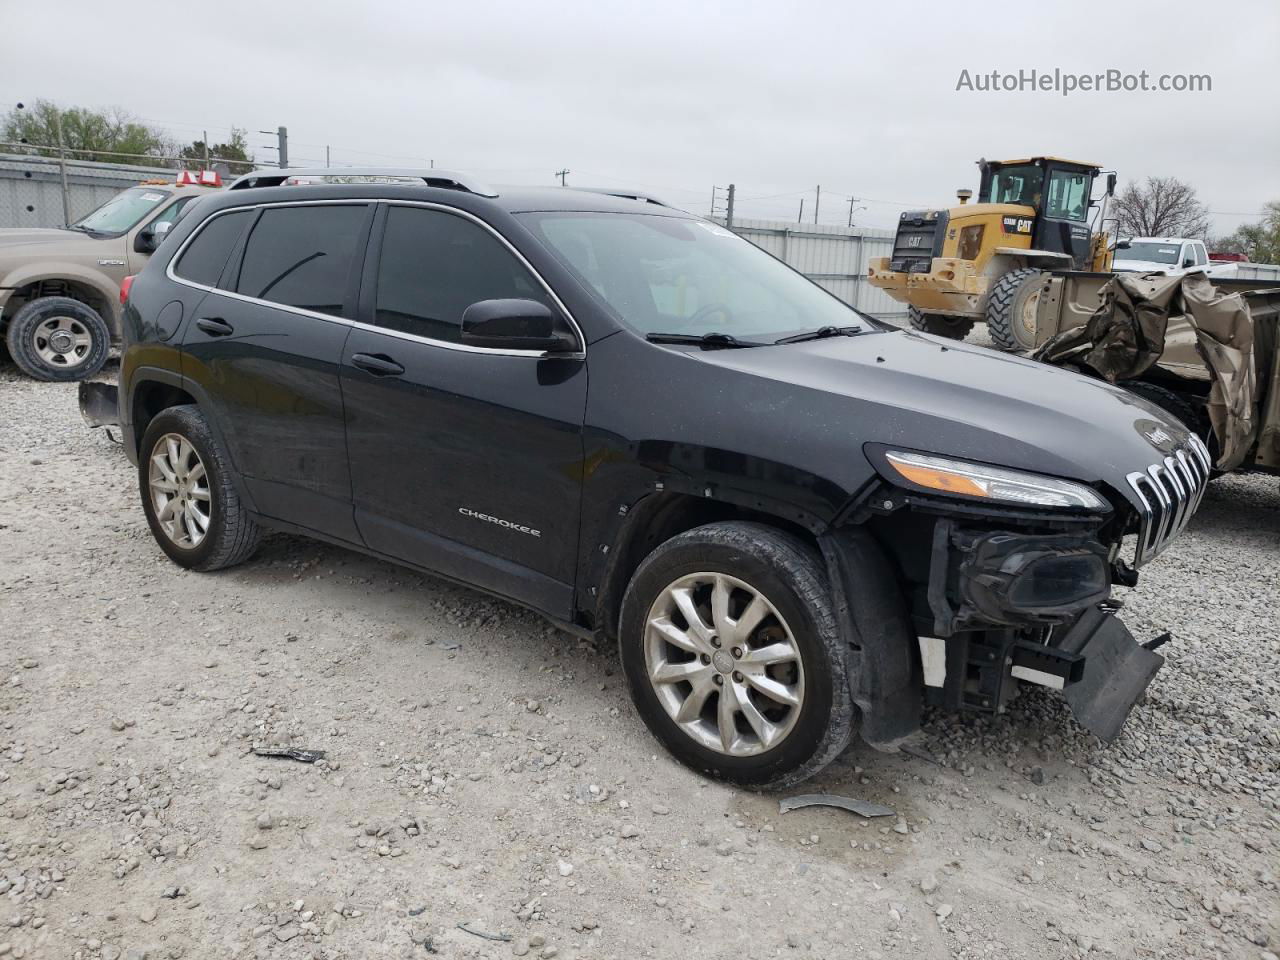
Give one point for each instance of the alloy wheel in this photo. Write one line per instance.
(179, 487)
(724, 664)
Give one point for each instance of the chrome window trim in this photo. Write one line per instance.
(579, 354)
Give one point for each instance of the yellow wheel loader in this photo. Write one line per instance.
(983, 261)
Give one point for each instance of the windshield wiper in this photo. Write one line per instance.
(822, 333)
(708, 341)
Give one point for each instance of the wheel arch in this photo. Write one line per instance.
(23, 287)
(152, 390)
(657, 517)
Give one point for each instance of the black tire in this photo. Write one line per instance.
(792, 577)
(1010, 296)
(26, 340)
(232, 535)
(953, 328)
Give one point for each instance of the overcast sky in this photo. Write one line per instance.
(678, 97)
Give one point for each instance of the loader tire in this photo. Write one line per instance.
(953, 328)
(1011, 310)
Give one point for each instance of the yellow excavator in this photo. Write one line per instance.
(984, 260)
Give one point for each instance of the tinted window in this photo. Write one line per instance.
(301, 256)
(434, 265)
(206, 255)
(1201, 257)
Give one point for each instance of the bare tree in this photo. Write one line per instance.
(1161, 207)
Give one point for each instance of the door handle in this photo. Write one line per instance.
(215, 326)
(378, 364)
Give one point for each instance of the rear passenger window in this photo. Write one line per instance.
(434, 265)
(206, 255)
(301, 256)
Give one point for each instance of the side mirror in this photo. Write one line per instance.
(1188, 261)
(149, 238)
(515, 325)
(1123, 244)
(1111, 184)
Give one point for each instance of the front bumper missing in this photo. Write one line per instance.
(1100, 668)
(1010, 608)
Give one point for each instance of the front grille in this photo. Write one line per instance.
(1170, 491)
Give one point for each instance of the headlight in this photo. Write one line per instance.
(960, 478)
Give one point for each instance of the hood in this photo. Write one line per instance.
(24, 236)
(941, 396)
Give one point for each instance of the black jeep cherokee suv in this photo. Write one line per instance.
(796, 521)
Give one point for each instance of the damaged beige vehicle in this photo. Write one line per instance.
(1206, 351)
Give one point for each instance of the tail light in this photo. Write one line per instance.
(125, 284)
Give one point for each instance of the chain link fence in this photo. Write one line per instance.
(50, 191)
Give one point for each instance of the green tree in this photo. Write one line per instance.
(111, 135)
(234, 151)
(1260, 241)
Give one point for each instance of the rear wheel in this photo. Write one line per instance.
(58, 339)
(953, 328)
(1011, 310)
(188, 495)
(731, 650)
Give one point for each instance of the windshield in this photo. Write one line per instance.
(119, 214)
(1019, 185)
(1150, 252)
(671, 275)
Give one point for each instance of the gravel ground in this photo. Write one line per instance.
(486, 771)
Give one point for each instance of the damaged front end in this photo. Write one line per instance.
(1002, 595)
(1010, 608)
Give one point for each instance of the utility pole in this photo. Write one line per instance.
(728, 215)
(326, 155)
(62, 166)
(562, 174)
(817, 198)
(282, 138)
(800, 216)
(205, 134)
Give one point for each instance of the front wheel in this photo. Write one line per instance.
(730, 648)
(953, 328)
(58, 339)
(1011, 310)
(188, 495)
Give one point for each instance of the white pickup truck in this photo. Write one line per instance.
(1172, 256)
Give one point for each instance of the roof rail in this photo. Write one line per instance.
(625, 194)
(448, 179)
